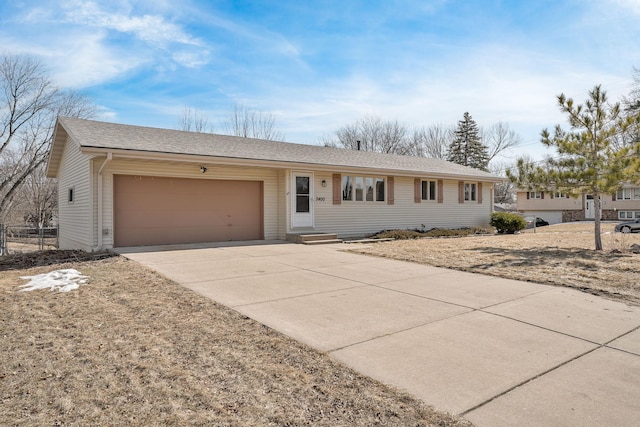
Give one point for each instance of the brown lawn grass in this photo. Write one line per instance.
(559, 255)
(133, 348)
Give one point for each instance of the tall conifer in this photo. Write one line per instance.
(467, 148)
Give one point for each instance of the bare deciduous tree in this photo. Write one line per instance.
(629, 133)
(193, 120)
(432, 141)
(505, 191)
(29, 106)
(39, 196)
(500, 138)
(250, 123)
(372, 134)
(632, 102)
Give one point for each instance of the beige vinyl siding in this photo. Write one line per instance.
(282, 203)
(95, 165)
(107, 204)
(621, 205)
(270, 178)
(350, 219)
(559, 204)
(548, 203)
(75, 218)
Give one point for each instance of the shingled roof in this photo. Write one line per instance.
(115, 137)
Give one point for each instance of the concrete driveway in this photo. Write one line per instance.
(496, 351)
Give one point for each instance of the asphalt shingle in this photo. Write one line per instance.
(104, 135)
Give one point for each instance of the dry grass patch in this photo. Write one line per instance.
(133, 348)
(559, 255)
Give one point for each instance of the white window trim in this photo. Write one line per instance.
(628, 215)
(632, 193)
(431, 197)
(473, 195)
(374, 178)
(535, 195)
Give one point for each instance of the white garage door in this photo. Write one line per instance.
(552, 217)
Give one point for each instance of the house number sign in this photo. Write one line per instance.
(319, 199)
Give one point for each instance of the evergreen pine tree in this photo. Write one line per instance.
(587, 160)
(467, 148)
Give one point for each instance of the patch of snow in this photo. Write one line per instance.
(58, 280)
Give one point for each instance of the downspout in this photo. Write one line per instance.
(100, 201)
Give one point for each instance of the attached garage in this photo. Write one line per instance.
(152, 210)
(552, 217)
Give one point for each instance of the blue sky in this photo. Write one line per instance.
(319, 65)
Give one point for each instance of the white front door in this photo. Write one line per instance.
(302, 200)
(590, 207)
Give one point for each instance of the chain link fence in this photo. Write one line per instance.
(20, 239)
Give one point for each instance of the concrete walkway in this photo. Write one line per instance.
(496, 351)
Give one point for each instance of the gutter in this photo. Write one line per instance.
(275, 164)
(100, 201)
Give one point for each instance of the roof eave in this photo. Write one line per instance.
(234, 161)
(60, 136)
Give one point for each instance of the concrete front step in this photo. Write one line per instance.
(313, 238)
(322, 242)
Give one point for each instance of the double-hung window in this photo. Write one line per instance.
(470, 191)
(429, 190)
(535, 194)
(628, 194)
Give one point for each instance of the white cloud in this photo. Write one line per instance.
(86, 61)
(77, 41)
(150, 28)
(632, 5)
(88, 26)
(79, 58)
(494, 83)
(192, 58)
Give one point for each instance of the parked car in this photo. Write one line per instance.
(539, 222)
(629, 226)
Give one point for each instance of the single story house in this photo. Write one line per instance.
(122, 185)
(556, 207)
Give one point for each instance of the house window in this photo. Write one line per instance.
(535, 194)
(429, 190)
(560, 195)
(369, 194)
(469, 191)
(347, 188)
(359, 189)
(71, 195)
(628, 194)
(628, 214)
(380, 189)
(362, 189)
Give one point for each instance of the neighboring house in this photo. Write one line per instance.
(556, 207)
(123, 185)
(505, 207)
